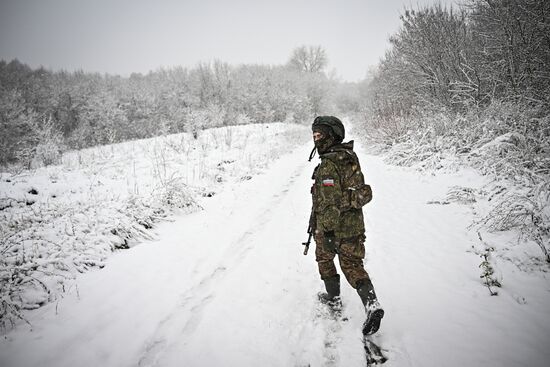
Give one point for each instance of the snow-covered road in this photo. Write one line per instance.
(229, 286)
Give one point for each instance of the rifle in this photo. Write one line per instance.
(306, 244)
(310, 230)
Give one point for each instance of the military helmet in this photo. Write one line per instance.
(333, 124)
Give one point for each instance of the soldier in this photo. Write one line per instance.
(339, 193)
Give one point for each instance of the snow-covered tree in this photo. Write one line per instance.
(310, 59)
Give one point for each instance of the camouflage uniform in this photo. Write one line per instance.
(339, 192)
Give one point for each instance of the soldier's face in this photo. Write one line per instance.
(317, 136)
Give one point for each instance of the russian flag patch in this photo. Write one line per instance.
(328, 182)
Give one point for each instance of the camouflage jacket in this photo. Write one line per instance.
(339, 193)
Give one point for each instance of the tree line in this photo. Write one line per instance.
(459, 59)
(44, 112)
(459, 78)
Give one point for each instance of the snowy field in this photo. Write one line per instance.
(224, 281)
(59, 221)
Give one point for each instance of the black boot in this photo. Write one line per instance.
(374, 312)
(332, 295)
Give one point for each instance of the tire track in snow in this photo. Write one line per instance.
(191, 309)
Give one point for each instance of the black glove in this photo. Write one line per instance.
(329, 242)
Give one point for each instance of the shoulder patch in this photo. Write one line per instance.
(328, 182)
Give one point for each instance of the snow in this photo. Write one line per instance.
(59, 221)
(228, 285)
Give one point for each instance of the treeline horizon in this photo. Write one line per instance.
(481, 61)
(45, 112)
(458, 58)
(459, 77)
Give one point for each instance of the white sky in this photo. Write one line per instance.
(124, 36)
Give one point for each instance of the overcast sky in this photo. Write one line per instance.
(124, 36)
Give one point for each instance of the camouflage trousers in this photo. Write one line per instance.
(351, 252)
